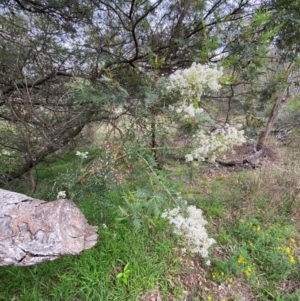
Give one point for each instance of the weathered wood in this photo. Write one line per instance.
(246, 162)
(33, 231)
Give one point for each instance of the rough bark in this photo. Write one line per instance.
(33, 231)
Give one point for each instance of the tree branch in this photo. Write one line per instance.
(40, 81)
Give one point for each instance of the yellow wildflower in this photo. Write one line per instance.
(223, 299)
(230, 280)
(251, 244)
(209, 298)
(288, 250)
(292, 240)
(292, 259)
(240, 260)
(213, 275)
(248, 273)
(258, 228)
(222, 274)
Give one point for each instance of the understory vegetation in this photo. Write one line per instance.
(252, 214)
(174, 127)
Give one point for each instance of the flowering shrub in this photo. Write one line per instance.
(208, 146)
(191, 225)
(191, 82)
(190, 110)
(5, 152)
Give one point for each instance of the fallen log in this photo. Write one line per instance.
(247, 162)
(33, 231)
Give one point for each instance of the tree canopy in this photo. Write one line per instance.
(65, 64)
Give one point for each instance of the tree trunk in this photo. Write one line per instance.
(272, 118)
(33, 231)
(279, 99)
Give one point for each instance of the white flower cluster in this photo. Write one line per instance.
(5, 152)
(209, 146)
(191, 82)
(82, 155)
(190, 110)
(61, 194)
(191, 225)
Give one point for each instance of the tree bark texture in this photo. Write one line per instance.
(33, 231)
(278, 101)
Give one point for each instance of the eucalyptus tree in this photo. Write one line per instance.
(64, 64)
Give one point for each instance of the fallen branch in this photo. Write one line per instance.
(247, 162)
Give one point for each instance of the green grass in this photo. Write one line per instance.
(60, 163)
(92, 275)
(253, 216)
(254, 221)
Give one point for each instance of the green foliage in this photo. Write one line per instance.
(286, 13)
(295, 295)
(92, 275)
(123, 276)
(122, 61)
(260, 254)
(249, 214)
(291, 114)
(270, 249)
(107, 92)
(146, 203)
